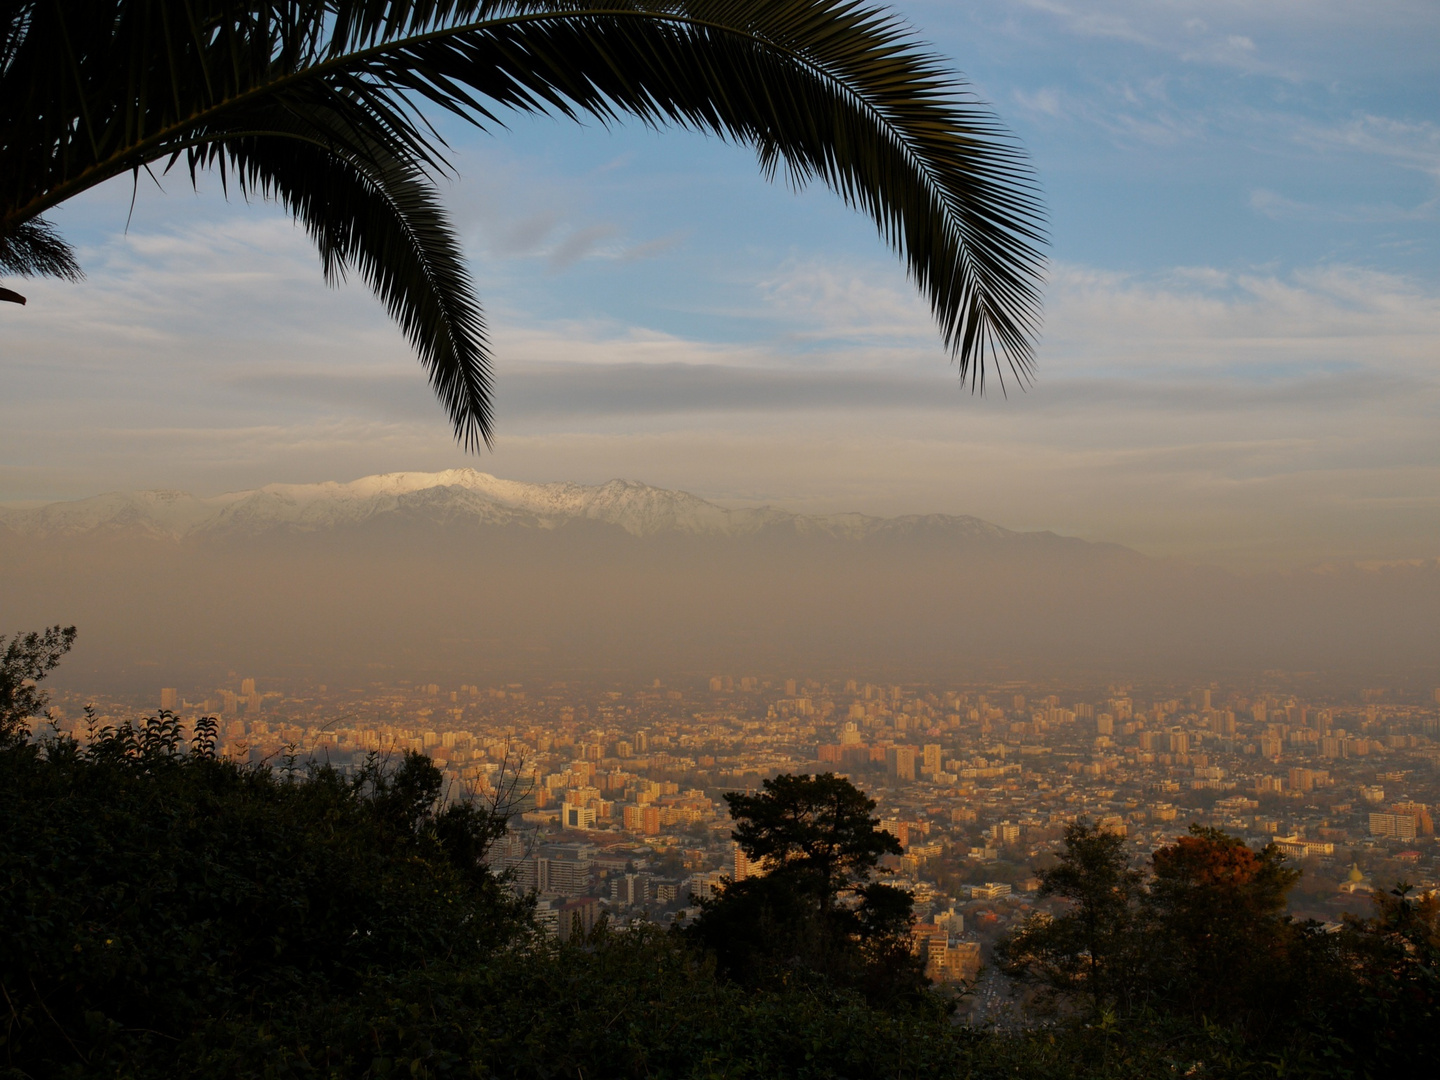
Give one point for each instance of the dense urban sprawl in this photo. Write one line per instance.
(616, 793)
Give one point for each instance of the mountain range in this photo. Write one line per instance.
(463, 574)
(447, 497)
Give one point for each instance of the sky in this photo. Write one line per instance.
(1239, 365)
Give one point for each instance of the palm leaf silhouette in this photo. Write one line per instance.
(320, 105)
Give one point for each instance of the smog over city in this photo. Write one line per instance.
(720, 537)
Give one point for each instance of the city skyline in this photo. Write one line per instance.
(614, 790)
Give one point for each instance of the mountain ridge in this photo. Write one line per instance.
(640, 509)
(462, 572)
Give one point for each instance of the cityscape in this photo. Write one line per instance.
(616, 793)
(787, 539)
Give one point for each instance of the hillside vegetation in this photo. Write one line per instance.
(170, 913)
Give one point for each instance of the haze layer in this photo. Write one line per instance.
(465, 574)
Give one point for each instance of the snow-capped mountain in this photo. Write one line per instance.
(463, 572)
(452, 495)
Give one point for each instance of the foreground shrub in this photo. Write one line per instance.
(170, 914)
(147, 888)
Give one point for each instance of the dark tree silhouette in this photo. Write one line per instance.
(814, 907)
(1089, 949)
(25, 661)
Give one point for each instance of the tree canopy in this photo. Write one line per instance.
(820, 826)
(812, 909)
(1201, 938)
(25, 661)
(325, 106)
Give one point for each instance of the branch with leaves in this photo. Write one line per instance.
(26, 660)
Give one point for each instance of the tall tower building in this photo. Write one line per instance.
(930, 759)
(900, 762)
(169, 698)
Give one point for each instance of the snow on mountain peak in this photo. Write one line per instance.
(452, 494)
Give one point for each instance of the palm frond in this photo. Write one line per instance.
(34, 249)
(834, 91)
(378, 215)
(831, 90)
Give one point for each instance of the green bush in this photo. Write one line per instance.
(170, 914)
(147, 888)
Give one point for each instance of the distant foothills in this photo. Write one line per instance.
(459, 572)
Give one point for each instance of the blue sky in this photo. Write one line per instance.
(1240, 362)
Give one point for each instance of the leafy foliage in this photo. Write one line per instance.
(1392, 995)
(1222, 946)
(320, 104)
(817, 827)
(26, 660)
(814, 912)
(148, 888)
(1089, 950)
(170, 914)
(1201, 949)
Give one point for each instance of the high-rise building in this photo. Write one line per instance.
(900, 762)
(742, 867)
(1005, 832)
(1301, 780)
(632, 890)
(930, 759)
(1399, 826)
(898, 829)
(576, 918)
(574, 816)
(247, 687)
(169, 698)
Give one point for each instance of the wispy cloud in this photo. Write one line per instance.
(580, 244)
(1182, 411)
(1279, 208)
(1408, 143)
